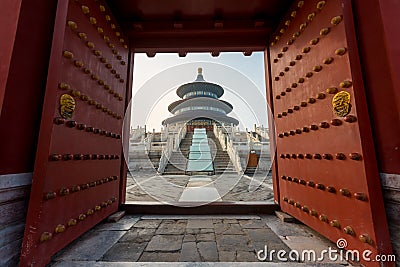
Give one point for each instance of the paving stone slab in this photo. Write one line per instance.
(219, 228)
(205, 237)
(252, 223)
(246, 256)
(226, 256)
(208, 251)
(168, 227)
(229, 229)
(217, 220)
(206, 230)
(165, 243)
(192, 230)
(160, 257)
(189, 252)
(147, 224)
(263, 234)
(200, 224)
(124, 252)
(232, 242)
(189, 238)
(91, 246)
(138, 235)
(230, 221)
(168, 221)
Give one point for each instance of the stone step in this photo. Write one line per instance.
(170, 170)
(221, 160)
(173, 173)
(176, 166)
(225, 172)
(223, 169)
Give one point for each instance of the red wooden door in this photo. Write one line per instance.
(252, 160)
(76, 178)
(326, 167)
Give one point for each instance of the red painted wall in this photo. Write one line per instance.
(377, 25)
(9, 14)
(23, 97)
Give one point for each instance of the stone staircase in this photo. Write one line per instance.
(154, 157)
(250, 171)
(178, 160)
(222, 162)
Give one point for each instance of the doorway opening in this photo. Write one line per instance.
(199, 130)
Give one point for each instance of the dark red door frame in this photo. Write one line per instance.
(126, 129)
(9, 13)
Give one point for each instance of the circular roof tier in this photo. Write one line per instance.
(197, 114)
(199, 85)
(200, 102)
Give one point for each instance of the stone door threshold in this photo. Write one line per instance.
(199, 208)
(189, 264)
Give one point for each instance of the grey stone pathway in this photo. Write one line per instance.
(135, 240)
(200, 189)
(148, 186)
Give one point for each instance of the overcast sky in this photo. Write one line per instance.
(156, 79)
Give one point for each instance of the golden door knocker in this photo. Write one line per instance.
(341, 103)
(67, 106)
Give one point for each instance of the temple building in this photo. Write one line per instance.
(200, 106)
(200, 117)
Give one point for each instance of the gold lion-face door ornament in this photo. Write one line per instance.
(67, 106)
(341, 104)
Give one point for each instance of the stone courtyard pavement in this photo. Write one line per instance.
(148, 186)
(192, 240)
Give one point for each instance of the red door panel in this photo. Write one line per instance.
(326, 162)
(76, 177)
